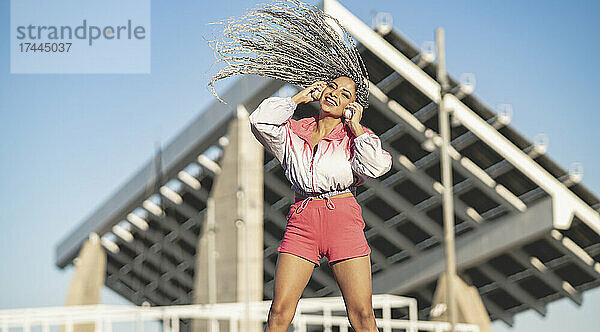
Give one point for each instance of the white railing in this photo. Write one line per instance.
(317, 311)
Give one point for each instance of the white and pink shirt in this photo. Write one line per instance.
(339, 160)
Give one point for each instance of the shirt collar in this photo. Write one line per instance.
(304, 127)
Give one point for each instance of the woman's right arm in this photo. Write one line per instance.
(268, 123)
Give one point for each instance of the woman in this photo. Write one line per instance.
(323, 158)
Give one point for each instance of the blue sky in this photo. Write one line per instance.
(68, 142)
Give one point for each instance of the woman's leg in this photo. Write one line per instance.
(292, 274)
(353, 276)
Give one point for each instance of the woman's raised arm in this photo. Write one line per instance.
(268, 123)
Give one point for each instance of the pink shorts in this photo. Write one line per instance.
(335, 231)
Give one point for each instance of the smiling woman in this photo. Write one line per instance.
(324, 157)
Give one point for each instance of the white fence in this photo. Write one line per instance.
(317, 311)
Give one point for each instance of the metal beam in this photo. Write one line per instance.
(513, 289)
(496, 312)
(184, 209)
(395, 112)
(278, 186)
(592, 269)
(120, 288)
(274, 215)
(378, 227)
(551, 265)
(427, 184)
(400, 203)
(494, 171)
(170, 248)
(547, 276)
(272, 244)
(114, 275)
(426, 161)
(138, 269)
(473, 248)
(144, 253)
(394, 79)
(173, 225)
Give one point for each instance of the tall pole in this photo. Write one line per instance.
(212, 259)
(447, 197)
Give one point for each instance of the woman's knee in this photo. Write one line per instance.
(361, 316)
(281, 313)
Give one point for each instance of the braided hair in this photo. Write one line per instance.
(292, 41)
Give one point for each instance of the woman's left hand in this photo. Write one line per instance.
(354, 122)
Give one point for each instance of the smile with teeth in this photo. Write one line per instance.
(330, 101)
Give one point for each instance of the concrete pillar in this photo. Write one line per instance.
(88, 278)
(468, 302)
(229, 256)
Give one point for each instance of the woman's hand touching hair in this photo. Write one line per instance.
(311, 93)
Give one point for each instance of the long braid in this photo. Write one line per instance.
(292, 41)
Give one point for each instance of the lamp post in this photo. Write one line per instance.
(446, 172)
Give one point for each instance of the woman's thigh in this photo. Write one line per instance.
(292, 274)
(354, 279)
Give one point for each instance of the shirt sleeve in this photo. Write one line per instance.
(269, 123)
(370, 159)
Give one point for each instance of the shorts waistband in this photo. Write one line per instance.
(324, 195)
(328, 200)
(300, 197)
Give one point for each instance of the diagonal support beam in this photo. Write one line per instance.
(378, 227)
(546, 275)
(473, 248)
(399, 203)
(128, 266)
(512, 289)
(497, 312)
(577, 255)
(415, 128)
(151, 255)
(402, 164)
(121, 287)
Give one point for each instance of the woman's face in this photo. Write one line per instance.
(337, 95)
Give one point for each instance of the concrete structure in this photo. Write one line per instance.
(527, 230)
(88, 278)
(470, 307)
(229, 253)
